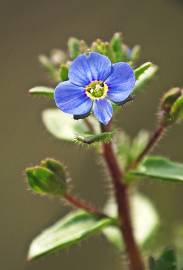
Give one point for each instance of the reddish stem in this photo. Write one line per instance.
(121, 193)
(81, 204)
(153, 140)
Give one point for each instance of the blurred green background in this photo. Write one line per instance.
(29, 28)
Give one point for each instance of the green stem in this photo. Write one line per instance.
(122, 199)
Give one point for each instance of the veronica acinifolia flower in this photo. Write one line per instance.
(94, 84)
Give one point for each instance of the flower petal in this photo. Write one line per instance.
(121, 82)
(89, 67)
(72, 99)
(102, 109)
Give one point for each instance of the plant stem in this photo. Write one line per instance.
(152, 142)
(121, 194)
(81, 204)
(89, 125)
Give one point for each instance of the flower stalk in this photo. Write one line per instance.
(122, 199)
(156, 136)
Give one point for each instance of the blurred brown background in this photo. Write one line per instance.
(29, 28)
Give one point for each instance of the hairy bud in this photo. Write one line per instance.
(48, 178)
(171, 106)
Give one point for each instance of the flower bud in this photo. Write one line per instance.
(56, 167)
(177, 110)
(48, 178)
(168, 107)
(170, 97)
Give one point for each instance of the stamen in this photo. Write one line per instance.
(96, 90)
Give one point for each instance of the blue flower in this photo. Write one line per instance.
(94, 84)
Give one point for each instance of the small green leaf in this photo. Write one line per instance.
(89, 139)
(116, 45)
(140, 70)
(177, 109)
(135, 53)
(68, 231)
(160, 168)
(167, 261)
(74, 47)
(63, 126)
(64, 72)
(42, 91)
(144, 77)
(144, 224)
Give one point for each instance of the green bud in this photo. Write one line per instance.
(177, 109)
(74, 47)
(171, 106)
(169, 98)
(64, 72)
(48, 178)
(102, 47)
(56, 167)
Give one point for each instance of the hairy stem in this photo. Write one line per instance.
(152, 142)
(81, 204)
(122, 199)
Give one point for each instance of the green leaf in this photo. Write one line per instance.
(144, 77)
(74, 47)
(144, 224)
(177, 109)
(68, 231)
(167, 261)
(42, 91)
(160, 168)
(64, 72)
(63, 126)
(135, 53)
(140, 70)
(116, 45)
(89, 139)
